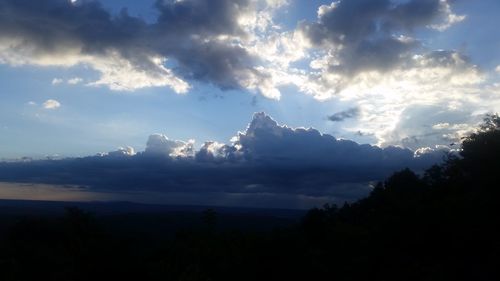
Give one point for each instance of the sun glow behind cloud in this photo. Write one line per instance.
(379, 63)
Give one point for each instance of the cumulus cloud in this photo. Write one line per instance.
(379, 47)
(51, 104)
(266, 159)
(264, 141)
(202, 40)
(121, 152)
(215, 152)
(159, 144)
(366, 53)
(372, 35)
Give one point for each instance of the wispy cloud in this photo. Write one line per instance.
(75, 80)
(57, 81)
(70, 81)
(343, 115)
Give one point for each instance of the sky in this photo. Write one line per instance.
(246, 79)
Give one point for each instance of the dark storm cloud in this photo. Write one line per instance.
(185, 26)
(49, 25)
(202, 18)
(343, 115)
(414, 13)
(185, 32)
(266, 159)
(216, 62)
(370, 33)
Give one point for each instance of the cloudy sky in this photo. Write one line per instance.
(184, 78)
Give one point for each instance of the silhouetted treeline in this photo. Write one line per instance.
(442, 225)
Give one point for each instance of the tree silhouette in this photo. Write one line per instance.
(209, 217)
(481, 152)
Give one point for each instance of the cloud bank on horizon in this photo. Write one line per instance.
(266, 159)
(372, 55)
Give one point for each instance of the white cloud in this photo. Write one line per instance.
(71, 81)
(74, 81)
(436, 78)
(277, 3)
(159, 144)
(425, 151)
(117, 73)
(57, 81)
(448, 18)
(51, 104)
(120, 74)
(214, 151)
(441, 126)
(122, 151)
